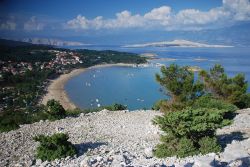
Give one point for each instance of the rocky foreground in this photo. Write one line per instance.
(120, 138)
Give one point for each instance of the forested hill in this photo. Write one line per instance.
(26, 52)
(11, 43)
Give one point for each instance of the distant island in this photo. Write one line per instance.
(176, 43)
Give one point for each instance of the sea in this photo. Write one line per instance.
(136, 87)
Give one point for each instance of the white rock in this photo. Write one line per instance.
(110, 159)
(84, 162)
(234, 151)
(148, 152)
(92, 160)
(205, 161)
(123, 164)
(236, 163)
(45, 163)
(82, 114)
(38, 162)
(99, 158)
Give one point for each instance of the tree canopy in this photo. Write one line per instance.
(232, 90)
(179, 84)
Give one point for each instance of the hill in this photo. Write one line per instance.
(11, 43)
(52, 42)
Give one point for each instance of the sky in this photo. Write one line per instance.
(122, 21)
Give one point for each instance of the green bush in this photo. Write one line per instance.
(186, 147)
(208, 101)
(208, 145)
(10, 119)
(168, 146)
(73, 113)
(76, 112)
(244, 101)
(184, 130)
(115, 107)
(7, 124)
(158, 104)
(54, 147)
(55, 109)
(172, 146)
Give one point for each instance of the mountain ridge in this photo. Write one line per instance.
(53, 42)
(47, 41)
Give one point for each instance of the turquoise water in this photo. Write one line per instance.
(136, 87)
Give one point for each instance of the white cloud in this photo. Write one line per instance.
(8, 25)
(80, 22)
(198, 18)
(123, 19)
(161, 13)
(158, 16)
(33, 25)
(98, 22)
(240, 8)
(230, 12)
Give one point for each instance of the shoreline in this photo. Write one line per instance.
(55, 89)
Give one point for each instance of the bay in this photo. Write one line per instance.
(136, 87)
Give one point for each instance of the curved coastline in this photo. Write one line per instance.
(56, 90)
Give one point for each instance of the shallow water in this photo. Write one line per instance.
(136, 87)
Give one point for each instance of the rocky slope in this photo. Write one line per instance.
(120, 138)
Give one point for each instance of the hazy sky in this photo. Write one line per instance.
(93, 18)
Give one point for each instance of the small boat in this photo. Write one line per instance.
(130, 74)
(141, 100)
(87, 84)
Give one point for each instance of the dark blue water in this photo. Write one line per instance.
(136, 87)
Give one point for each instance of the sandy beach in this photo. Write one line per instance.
(56, 89)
